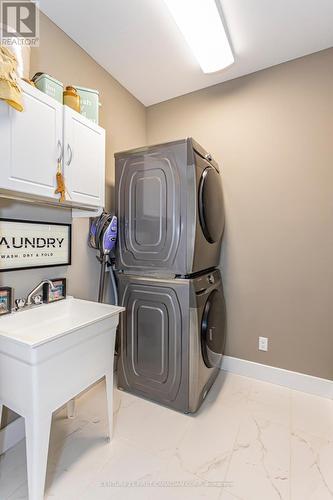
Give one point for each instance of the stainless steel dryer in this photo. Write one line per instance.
(172, 338)
(170, 209)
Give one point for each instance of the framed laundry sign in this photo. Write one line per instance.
(29, 244)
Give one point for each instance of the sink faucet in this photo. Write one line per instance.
(37, 288)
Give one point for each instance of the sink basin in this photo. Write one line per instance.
(41, 324)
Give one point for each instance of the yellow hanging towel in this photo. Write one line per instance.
(10, 90)
(61, 188)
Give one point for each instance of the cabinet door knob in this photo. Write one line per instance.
(70, 153)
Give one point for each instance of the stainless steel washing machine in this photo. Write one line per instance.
(170, 209)
(172, 338)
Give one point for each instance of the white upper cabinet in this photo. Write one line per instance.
(31, 143)
(84, 159)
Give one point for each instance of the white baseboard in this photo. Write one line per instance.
(12, 434)
(294, 380)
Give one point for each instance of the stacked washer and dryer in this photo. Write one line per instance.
(171, 221)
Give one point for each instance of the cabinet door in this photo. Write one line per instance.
(30, 144)
(84, 159)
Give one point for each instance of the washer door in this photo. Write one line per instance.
(213, 329)
(211, 205)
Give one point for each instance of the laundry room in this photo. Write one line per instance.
(166, 285)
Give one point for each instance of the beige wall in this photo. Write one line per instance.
(272, 132)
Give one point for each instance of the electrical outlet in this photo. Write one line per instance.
(263, 344)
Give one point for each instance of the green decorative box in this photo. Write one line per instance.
(50, 86)
(89, 103)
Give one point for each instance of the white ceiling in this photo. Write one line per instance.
(139, 43)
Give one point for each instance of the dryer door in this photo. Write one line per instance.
(211, 205)
(213, 329)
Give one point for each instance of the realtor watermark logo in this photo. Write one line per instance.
(19, 22)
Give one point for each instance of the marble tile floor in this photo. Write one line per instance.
(250, 441)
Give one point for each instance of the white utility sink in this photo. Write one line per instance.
(41, 324)
(48, 355)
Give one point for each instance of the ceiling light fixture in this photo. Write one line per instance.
(201, 25)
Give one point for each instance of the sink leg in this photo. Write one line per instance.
(71, 409)
(1, 408)
(37, 443)
(109, 397)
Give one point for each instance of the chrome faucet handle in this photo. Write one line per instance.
(37, 299)
(37, 289)
(20, 303)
